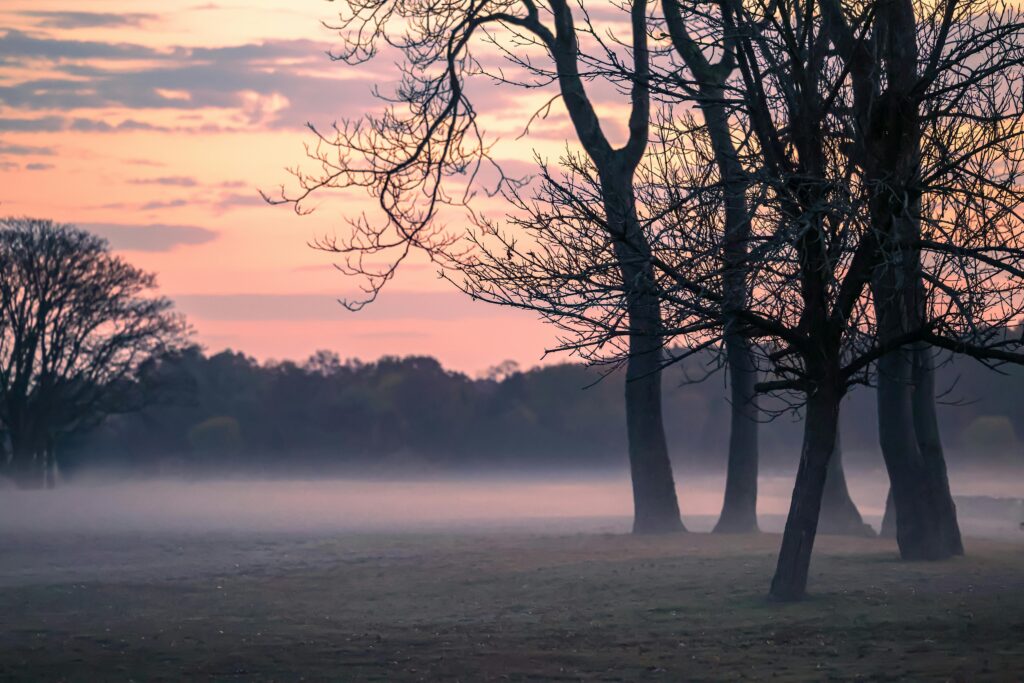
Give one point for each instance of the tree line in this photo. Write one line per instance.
(227, 414)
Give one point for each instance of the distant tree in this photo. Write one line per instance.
(75, 328)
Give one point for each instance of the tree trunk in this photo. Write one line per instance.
(739, 509)
(839, 515)
(926, 426)
(925, 516)
(889, 517)
(820, 429)
(655, 506)
(922, 530)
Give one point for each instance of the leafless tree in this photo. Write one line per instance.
(852, 234)
(74, 328)
(554, 258)
(936, 99)
(707, 86)
(818, 248)
(407, 156)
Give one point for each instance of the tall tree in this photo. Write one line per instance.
(695, 32)
(919, 70)
(710, 76)
(820, 248)
(74, 328)
(406, 156)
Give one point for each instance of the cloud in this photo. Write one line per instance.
(53, 124)
(164, 204)
(153, 237)
(238, 200)
(73, 20)
(24, 150)
(18, 45)
(393, 305)
(275, 83)
(38, 167)
(167, 181)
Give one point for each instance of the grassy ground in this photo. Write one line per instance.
(500, 607)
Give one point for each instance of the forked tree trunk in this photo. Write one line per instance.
(925, 516)
(939, 511)
(923, 532)
(654, 495)
(839, 514)
(820, 429)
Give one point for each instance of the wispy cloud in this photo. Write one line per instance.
(393, 305)
(24, 150)
(164, 204)
(73, 20)
(167, 181)
(53, 124)
(150, 237)
(270, 84)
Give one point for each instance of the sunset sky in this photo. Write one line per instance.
(155, 124)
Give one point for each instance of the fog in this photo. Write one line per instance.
(543, 502)
(168, 530)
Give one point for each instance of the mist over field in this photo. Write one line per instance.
(542, 501)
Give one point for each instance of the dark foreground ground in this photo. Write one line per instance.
(497, 606)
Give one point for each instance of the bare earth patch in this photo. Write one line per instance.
(500, 606)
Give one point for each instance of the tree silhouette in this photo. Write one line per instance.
(74, 328)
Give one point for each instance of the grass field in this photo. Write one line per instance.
(497, 606)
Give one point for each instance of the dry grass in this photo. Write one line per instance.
(511, 607)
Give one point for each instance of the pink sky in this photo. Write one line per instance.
(156, 127)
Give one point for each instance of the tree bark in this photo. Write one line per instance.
(923, 529)
(820, 429)
(926, 427)
(839, 514)
(739, 509)
(655, 505)
(925, 517)
(889, 517)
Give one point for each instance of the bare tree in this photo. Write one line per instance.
(818, 247)
(963, 267)
(920, 71)
(74, 328)
(710, 78)
(406, 156)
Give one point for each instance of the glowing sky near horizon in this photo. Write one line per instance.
(156, 123)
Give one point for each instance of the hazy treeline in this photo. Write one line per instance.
(228, 413)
